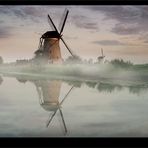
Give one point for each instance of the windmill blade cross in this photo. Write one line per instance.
(64, 21)
(52, 24)
(67, 46)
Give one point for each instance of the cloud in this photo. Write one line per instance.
(126, 14)
(32, 12)
(5, 32)
(71, 38)
(143, 37)
(85, 25)
(126, 29)
(23, 12)
(109, 43)
(84, 22)
(1, 21)
(146, 41)
(39, 14)
(126, 17)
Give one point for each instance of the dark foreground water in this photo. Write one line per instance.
(58, 108)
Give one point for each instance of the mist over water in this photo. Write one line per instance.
(72, 100)
(105, 73)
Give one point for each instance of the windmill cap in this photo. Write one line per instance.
(51, 34)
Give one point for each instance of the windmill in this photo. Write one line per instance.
(49, 48)
(101, 58)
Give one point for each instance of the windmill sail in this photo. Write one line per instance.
(51, 23)
(67, 47)
(49, 92)
(58, 108)
(64, 21)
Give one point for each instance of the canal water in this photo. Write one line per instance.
(55, 108)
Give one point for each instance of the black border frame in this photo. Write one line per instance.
(74, 142)
(71, 141)
(73, 2)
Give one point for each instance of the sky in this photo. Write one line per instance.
(122, 31)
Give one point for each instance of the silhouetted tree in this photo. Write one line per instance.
(90, 61)
(73, 59)
(1, 60)
(121, 63)
(1, 80)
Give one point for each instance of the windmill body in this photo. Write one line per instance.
(51, 48)
(49, 92)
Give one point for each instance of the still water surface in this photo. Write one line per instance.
(53, 108)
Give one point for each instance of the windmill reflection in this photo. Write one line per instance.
(49, 92)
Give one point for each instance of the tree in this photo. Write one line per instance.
(121, 63)
(1, 60)
(90, 61)
(73, 59)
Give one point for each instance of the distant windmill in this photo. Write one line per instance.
(49, 48)
(101, 58)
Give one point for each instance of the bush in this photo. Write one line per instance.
(121, 63)
(73, 59)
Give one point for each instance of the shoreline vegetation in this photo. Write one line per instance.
(117, 71)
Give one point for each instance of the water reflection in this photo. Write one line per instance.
(101, 86)
(89, 111)
(49, 92)
(109, 88)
